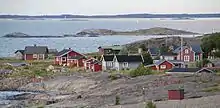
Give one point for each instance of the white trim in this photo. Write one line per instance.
(63, 58)
(70, 51)
(125, 65)
(35, 56)
(63, 54)
(163, 66)
(205, 69)
(167, 61)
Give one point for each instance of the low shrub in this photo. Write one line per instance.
(9, 67)
(140, 71)
(117, 100)
(113, 76)
(211, 89)
(150, 105)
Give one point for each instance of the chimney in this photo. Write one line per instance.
(140, 50)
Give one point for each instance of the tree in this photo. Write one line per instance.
(143, 47)
(147, 58)
(164, 49)
(124, 51)
(140, 71)
(210, 43)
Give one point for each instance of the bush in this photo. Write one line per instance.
(211, 89)
(113, 77)
(150, 105)
(140, 71)
(9, 67)
(117, 100)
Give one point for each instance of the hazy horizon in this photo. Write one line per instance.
(107, 7)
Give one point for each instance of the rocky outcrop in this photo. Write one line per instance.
(13, 83)
(16, 34)
(150, 31)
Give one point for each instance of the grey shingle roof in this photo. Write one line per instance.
(129, 58)
(36, 50)
(197, 48)
(21, 51)
(184, 70)
(168, 54)
(192, 70)
(153, 51)
(177, 50)
(63, 52)
(108, 57)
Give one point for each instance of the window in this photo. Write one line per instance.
(186, 58)
(197, 57)
(163, 66)
(110, 64)
(186, 51)
(125, 65)
(34, 55)
(41, 56)
(64, 59)
(57, 59)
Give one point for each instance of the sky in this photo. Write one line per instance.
(104, 7)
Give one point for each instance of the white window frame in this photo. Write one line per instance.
(125, 64)
(186, 58)
(41, 55)
(57, 59)
(163, 66)
(34, 55)
(110, 64)
(186, 51)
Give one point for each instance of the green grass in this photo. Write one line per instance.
(150, 105)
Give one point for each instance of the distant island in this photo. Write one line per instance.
(211, 15)
(106, 32)
(144, 32)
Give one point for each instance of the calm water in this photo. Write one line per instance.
(5, 94)
(89, 44)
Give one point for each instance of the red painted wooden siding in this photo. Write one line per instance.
(73, 53)
(96, 67)
(190, 54)
(70, 62)
(175, 94)
(153, 67)
(29, 57)
(168, 65)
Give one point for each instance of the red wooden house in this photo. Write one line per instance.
(161, 65)
(189, 53)
(68, 57)
(93, 65)
(35, 52)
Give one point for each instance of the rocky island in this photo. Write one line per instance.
(140, 32)
(107, 32)
(23, 35)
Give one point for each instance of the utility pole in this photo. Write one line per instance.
(181, 46)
